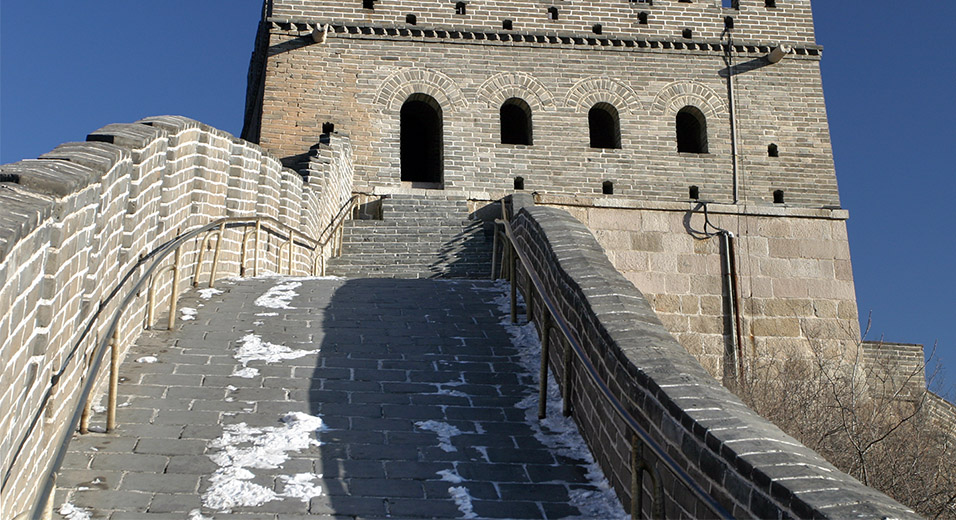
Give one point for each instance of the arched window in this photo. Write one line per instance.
(460, 8)
(604, 126)
(552, 13)
(421, 141)
(691, 130)
(515, 122)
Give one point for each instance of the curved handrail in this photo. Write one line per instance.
(618, 406)
(158, 255)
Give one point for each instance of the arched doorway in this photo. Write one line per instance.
(421, 142)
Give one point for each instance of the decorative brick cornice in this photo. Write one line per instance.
(461, 35)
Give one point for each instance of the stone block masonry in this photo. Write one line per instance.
(371, 62)
(76, 220)
(746, 464)
(796, 291)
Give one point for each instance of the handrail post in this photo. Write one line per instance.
(85, 418)
(175, 293)
(514, 287)
(151, 304)
(494, 252)
(529, 300)
(291, 243)
(199, 259)
(566, 391)
(545, 356)
(114, 381)
(255, 269)
(215, 256)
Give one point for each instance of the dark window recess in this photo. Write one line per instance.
(10, 177)
(778, 197)
(515, 122)
(507, 25)
(730, 4)
(607, 188)
(368, 4)
(642, 17)
(421, 139)
(694, 193)
(552, 13)
(328, 128)
(519, 183)
(597, 28)
(687, 33)
(460, 8)
(773, 151)
(604, 126)
(411, 19)
(770, 3)
(648, 2)
(691, 130)
(684, 1)
(728, 22)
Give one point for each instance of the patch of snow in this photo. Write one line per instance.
(254, 349)
(450, 475)
(300, 486)
(189, 313)
(242, 447)
(247, 373)
(267, 314)
(556, 431)
(71, 512)
(196, 514)
(451, 393)
(97, 429)
(209, 293)
(279, 296)
(147, 359)
(445, 432)
(463, 500)
(98, 408)
(231, 388)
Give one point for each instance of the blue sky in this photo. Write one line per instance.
(70, 67)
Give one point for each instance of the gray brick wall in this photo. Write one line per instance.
(371, 62)
(77, 219)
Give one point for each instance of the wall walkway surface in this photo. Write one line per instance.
(76, 220)
(748, 465)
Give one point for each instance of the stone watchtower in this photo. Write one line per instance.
(634, 115)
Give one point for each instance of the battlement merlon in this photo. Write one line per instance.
(754, 21)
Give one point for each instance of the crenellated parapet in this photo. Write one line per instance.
(78, 219)
(757, 20)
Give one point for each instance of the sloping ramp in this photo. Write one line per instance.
(334, 398)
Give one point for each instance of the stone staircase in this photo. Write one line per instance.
(419, 236)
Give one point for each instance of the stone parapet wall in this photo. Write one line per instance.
(79, 218)
(748, 465)
(942, 413)
(790, 20)
(795, 279)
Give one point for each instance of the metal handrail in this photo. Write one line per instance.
(334, 226)
(111, 335)
(553, 315)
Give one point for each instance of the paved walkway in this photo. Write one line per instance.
(365, 398)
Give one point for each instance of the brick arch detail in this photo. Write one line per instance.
(591, 91)
(506, 85)
(680, 94)
(400, 85)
